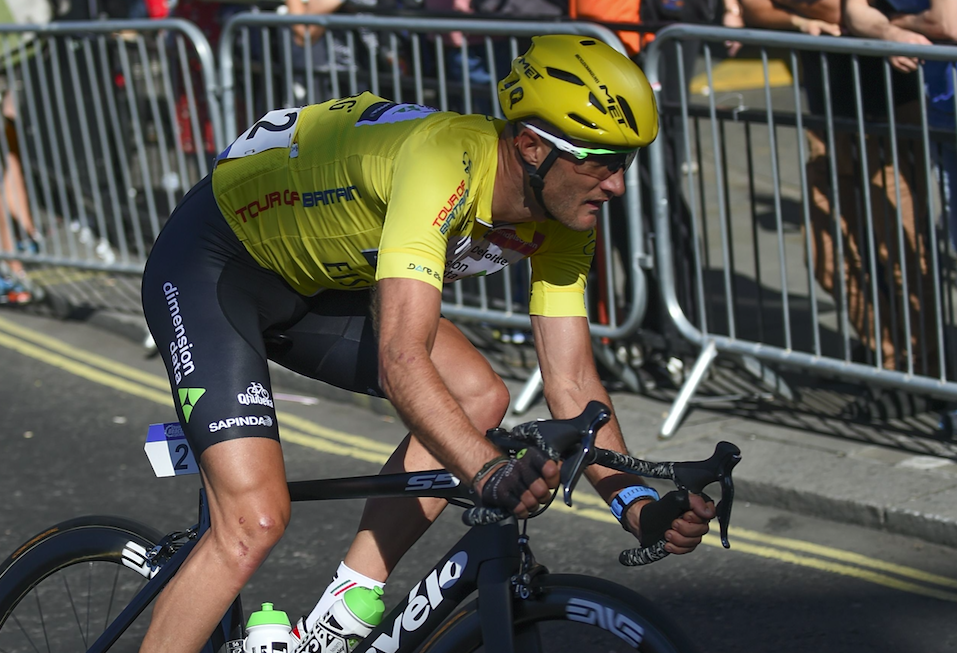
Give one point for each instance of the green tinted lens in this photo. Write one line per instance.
(615, 162)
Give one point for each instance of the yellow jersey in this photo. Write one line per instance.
(351, 191)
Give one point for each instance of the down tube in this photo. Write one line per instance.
(434, 597)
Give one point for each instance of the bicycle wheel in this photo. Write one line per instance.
(571, 614)
(61, 589)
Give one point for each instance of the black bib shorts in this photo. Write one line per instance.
(217, 316)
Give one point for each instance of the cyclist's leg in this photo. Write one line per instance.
(336, 343)
(206, 302)
(249, 510)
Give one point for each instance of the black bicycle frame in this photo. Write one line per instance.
(484, 559)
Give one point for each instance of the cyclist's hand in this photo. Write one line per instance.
(520, 484)
(686, 531)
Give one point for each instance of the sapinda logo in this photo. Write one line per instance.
(249, 420)
(421, 606)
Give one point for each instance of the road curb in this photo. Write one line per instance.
(938, 529)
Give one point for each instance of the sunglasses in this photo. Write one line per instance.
(607, 162)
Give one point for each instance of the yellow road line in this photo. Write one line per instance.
(84, 371)
(593, 507)
(587, 506)
(333, 445)
(327, 446)
(159, 382)
(355, 442)
(845, 556)
(835, 568)
(59, 276)
(101, 362)
(804, 561)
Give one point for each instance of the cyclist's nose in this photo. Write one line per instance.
(614, 183)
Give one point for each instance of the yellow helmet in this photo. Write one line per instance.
(583, 87)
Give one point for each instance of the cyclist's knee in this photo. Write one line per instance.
(486, 402)
(246, 537)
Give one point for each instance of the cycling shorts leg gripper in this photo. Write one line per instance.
(215, 358)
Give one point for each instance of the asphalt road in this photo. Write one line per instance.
(75, 407)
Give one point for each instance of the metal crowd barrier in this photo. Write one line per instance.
(116, 120)
(807, 238)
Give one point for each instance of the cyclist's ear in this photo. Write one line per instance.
(529, 146)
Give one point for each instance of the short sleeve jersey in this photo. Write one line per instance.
(348, 192)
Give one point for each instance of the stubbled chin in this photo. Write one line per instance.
(584, 222)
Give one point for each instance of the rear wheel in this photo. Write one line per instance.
(572, 614)
(62, 588)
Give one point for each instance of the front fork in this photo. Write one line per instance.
(529, 568)
(500, 589)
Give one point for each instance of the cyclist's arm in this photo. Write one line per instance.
(408, 318)
(571, 380)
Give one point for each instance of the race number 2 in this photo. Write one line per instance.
(168, 450)
(274, 130)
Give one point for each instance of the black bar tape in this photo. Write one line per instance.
(529, 434)
(483, 516)
(636, 557)
(625, 463)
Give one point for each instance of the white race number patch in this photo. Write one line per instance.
(168, 450)
(273, 130)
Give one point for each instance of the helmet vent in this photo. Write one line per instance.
(587, 42)
(595, 102)
(565, 76)
(582, 121)
(629, 116)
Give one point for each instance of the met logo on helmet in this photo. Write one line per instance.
(529, 70)
(613, 107)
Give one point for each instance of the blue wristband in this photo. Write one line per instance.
(620, 504)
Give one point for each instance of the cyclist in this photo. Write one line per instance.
(322, 241)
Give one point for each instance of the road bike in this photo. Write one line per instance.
(81, 584)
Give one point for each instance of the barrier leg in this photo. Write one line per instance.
(622, 371)
(531, 389)
(768, 378)
(680, 405)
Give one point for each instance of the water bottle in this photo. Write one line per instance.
(355, 615)
(268, 631)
